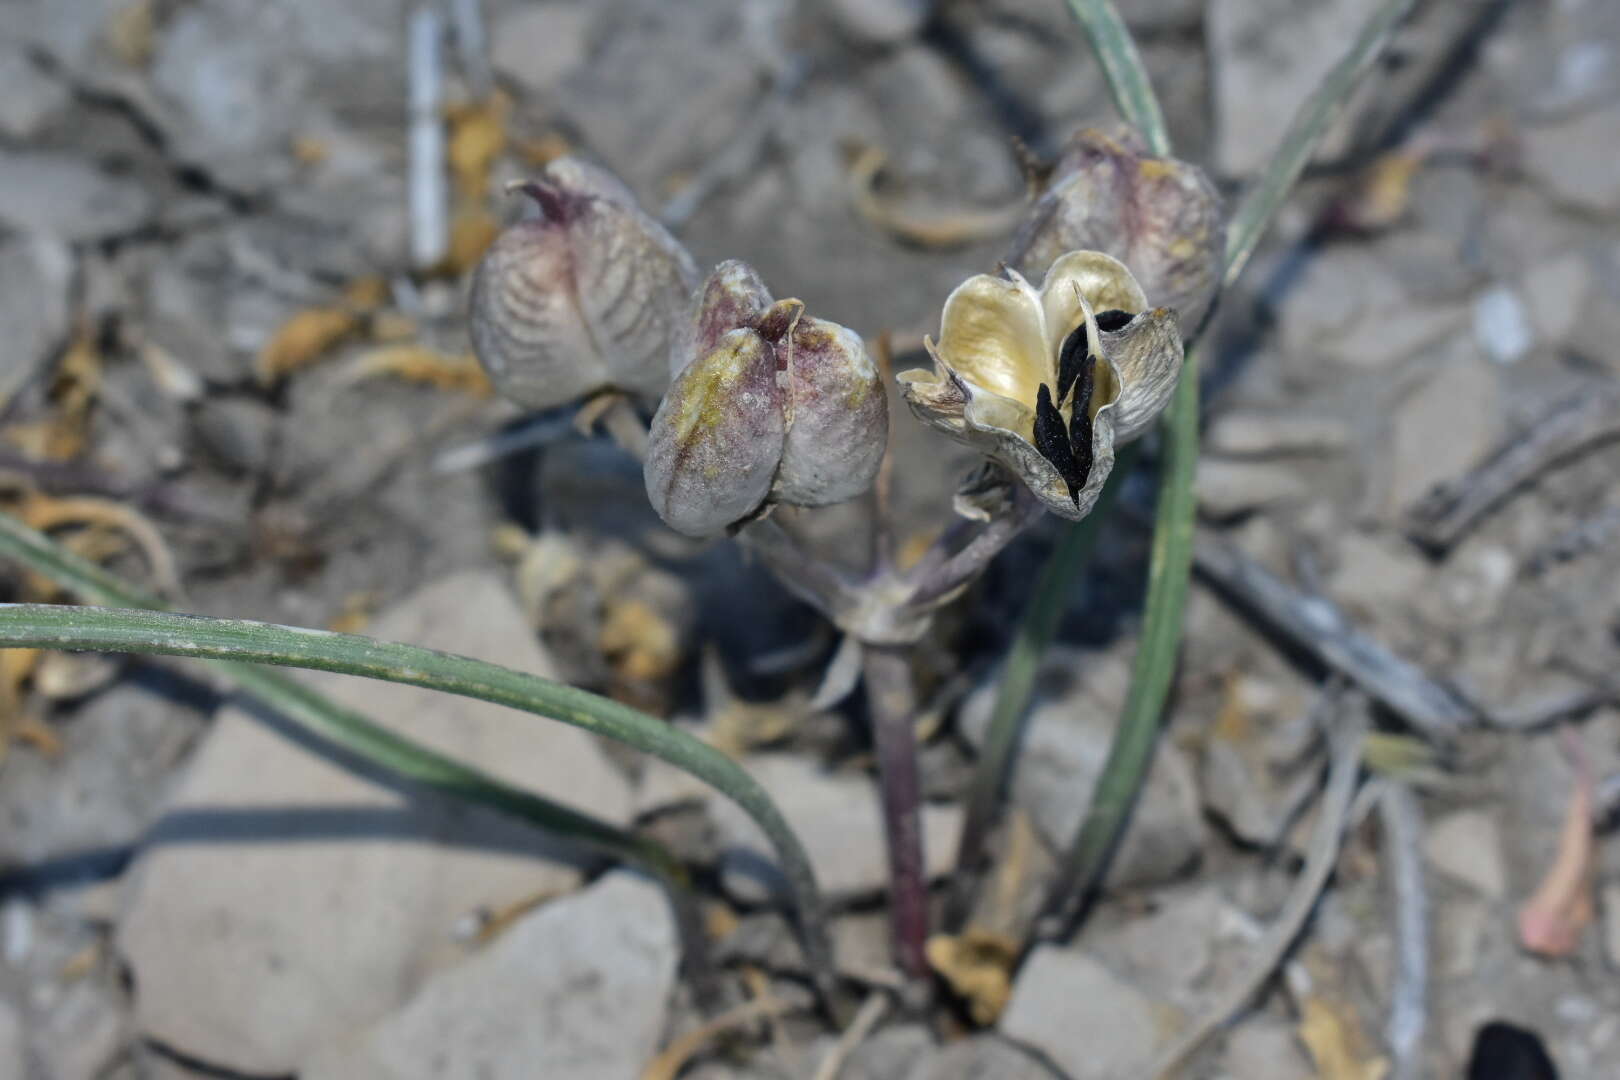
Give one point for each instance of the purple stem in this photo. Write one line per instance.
(889, 695)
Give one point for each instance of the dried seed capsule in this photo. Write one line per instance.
(1159, 216)
(828, 402)
(583, 298)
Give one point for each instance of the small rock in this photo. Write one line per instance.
(1467, 846)
(1325, 314)
(880, 22)
(537, 45)
(982, 1057)
(328, 895)
(35, 274)
(1269, 55)
(1265, 1049)
(1502, 326)
(28, 96)
(838, 819)
(13, 1055)
(239, 432)
(1611, 923)
(108, 785)
(1573, 161)
(1164, 953)
(1459, 933)
(81, 1032)
(1443, 428)
(889, 1054)
(1228, 488)
(1374, 570)
(1089, 1022)
(1066, 741)
(1557, 290)
(578, 988)
(1275, 434)
(68, 197)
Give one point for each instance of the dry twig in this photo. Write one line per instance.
(1318, 626)
(1579, 422)
(1319, 863)
(1401, 819)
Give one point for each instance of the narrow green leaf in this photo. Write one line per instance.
(1260, 205)
(1122, 65)
(1169, 568)
(1017, 685)
(241, 646)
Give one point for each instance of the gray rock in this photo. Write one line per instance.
(109, 783)
(1502, 325)
(35, 273)
(239, 432)
(1443, 427)
(1460, 931)
(838, 819)
(1229, 488)
(66, 196)
(1330, 312)
(1265, 1049)
(1092, 1024)
(28, 96)
(1610, 903)
(880, 22)
(576, 989)
(1268, 56)
(1573, 161)
(888, 1054)
(1070, 727)
(1375, 570)
(79, 1031)
(1557, 289)
(1165, 953)
(13, 1054)
(1253, 434)
(982, 1057)
(537, 45)
(1467, 847)
(328, 896)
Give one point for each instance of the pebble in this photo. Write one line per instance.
(537, 45)
(1092, 1024)
(284, 899)
(1573, 161)
(1467, 846)
(1227, 489)
(1557, 289)
(838, 819)
(1255, 434)
(62, 195)
(1502, 325)
(577, 989)
(1443, 427)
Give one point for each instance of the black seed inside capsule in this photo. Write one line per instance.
(1113, 320)
(1080, 423)
(1071, 358)
(1052, 440)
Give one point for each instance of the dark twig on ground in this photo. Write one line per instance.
(1317, 626)
(1569, 426)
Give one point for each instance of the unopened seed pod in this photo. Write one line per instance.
(1159, 216)
(583, 298)
(768, 405)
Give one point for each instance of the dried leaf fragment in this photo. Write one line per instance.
(978, 964)
(1552, 920)
(1332, 1035)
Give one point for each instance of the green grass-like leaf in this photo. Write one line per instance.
(138, 626)
(1266, 197)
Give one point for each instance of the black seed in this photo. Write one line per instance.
(1052, 441)
(1075, 353)
(1113, 319)
(1080, 427)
